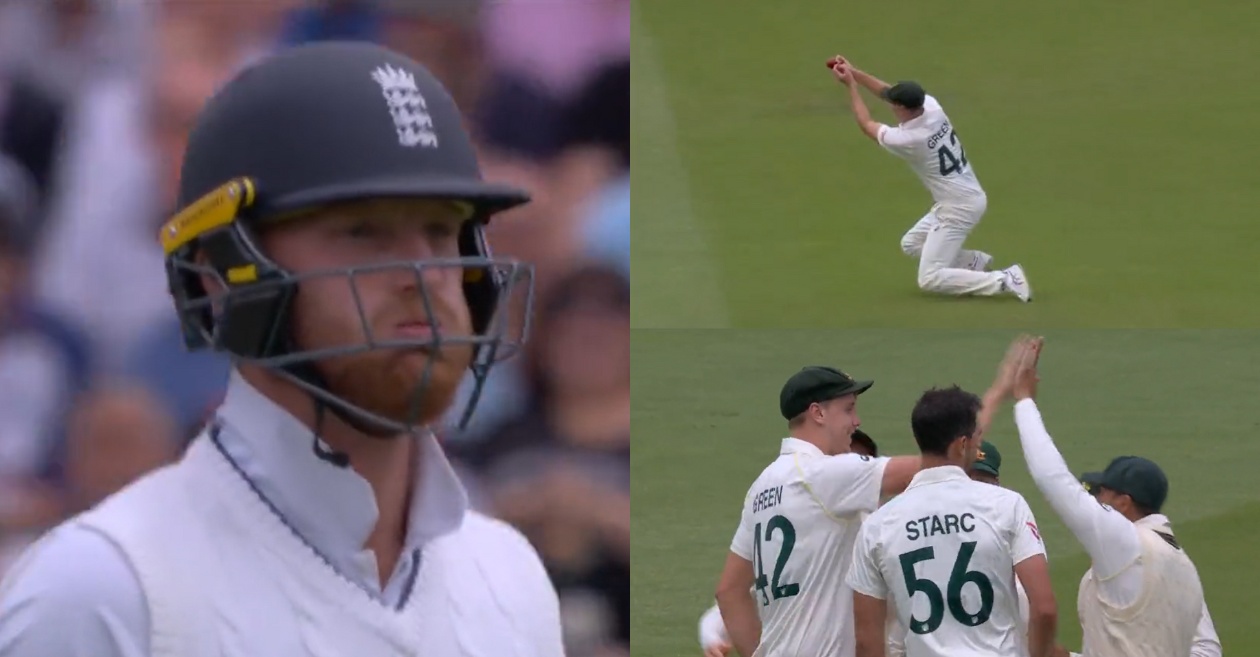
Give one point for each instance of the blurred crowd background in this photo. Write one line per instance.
(96, 99)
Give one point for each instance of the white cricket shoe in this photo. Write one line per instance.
(981, 262)
(1015, 282)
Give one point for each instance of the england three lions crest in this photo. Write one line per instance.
(406, 107)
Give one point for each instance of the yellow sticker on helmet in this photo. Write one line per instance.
(214, 210)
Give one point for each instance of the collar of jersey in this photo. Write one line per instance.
(331, 508)
(1157, 521)
(937, 474)
(797, 446)
(916, 122)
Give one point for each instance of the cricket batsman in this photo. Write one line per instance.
(329, 236)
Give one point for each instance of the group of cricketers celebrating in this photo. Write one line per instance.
(841, 552)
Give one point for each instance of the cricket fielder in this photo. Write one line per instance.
(714, 640)
(949, 551)
(925, 138)
(329, 236)
(1141, 596)
(986, 470)
(798, 523)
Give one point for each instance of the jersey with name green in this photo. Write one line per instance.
(799, 521)
(945, 551)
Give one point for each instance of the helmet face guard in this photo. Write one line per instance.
(250, 317)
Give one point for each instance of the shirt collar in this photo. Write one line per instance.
(915, 122)
(937, 475)
(1157, 521)
(331, 507)
(797, 446)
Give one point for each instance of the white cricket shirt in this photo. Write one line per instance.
(897, 632)
(929, 144)
(1118, 549)
(284, 570)
(799, 522)
(945, 550)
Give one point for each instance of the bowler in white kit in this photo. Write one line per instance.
(926, 139)
(949, 551)
(798, 523)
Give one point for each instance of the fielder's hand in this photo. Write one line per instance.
(843, 73)
(1005, 378)
(838, 60)
(1025, 385)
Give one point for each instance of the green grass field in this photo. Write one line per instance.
(1110, 138)
(705, 424)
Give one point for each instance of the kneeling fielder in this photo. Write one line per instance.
(926, 140)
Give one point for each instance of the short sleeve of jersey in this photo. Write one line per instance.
(895, 139)
(742, 544)
(864, 574)
(845, 484)
(1027, 539)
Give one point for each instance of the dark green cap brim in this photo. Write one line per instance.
(835, 392)
(800, 400)
(981, 466)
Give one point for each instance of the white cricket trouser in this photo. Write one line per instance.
(944, 266)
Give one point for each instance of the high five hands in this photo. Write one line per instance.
(1024, 383)
(1017, 374)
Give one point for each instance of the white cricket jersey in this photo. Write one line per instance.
(929, 144)
(945, 551)
(1141, 595)
(799, 522)
(252, 545)
(897, 632)
(1162, 622)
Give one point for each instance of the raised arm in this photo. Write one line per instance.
(861, 114)
(1000, 389)
(848, 484)
(872, 84)
(1110, 538)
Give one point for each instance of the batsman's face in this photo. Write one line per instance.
(341, 311)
